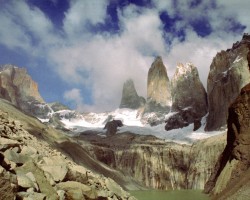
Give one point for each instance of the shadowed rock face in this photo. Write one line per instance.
(229, 72)
(112, 127)
(188, 96)
(158, 88)
(232, 171)
(130, 98)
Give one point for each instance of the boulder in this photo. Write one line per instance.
(41, 180)
(8, 185)
(27, 181)
(76, 190)
(55, 166)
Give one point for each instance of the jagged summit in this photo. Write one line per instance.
(130, 98)
(185, 70)
(188, 96)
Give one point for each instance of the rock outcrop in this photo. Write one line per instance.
(130, 98)
(229, 72)
(158, 88)
(189, 98)
(112, 126)
(230, 178)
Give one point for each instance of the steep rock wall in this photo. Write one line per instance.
(158, 88)
(229, 72)
(232, 172)
(156, 163)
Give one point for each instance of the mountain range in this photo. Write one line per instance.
(147, 152)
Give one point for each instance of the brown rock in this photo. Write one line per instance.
(233, 166)
(229, 72)
(158, 87)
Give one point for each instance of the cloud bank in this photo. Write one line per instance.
(86, 52)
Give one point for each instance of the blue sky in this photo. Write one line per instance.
(82, 51)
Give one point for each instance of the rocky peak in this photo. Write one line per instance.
(17, 86)
(187, 89)
(15, 79)
(130, 98)
(229, 72)
(188, 96)
(158, 88)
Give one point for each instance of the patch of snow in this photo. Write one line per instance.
(184, 135)
(132, 123)
(238, 59)
(43, 120)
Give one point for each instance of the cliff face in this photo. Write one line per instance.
(156, 163)
(230, 179)
(17, 85)
(130, 98)
(188, 96)
(158, 88)
(229, 72)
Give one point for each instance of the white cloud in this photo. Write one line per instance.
(108, 60)
(12, 35)
(74, 96)
(82, 12)
(102, 61)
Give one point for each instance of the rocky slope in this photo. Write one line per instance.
(229, 72)
(130, 98)
(230, 179)
(189, 98)
(32, 166)
(154, 162)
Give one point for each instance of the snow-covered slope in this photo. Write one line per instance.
(131, 119)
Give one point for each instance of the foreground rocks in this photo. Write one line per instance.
(31, 169)
(231, 177)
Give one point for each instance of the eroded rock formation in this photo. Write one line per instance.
(189, 98)
(130, 98)
(229, 72)
(230, 178)
(156, 163)
(158, 88)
